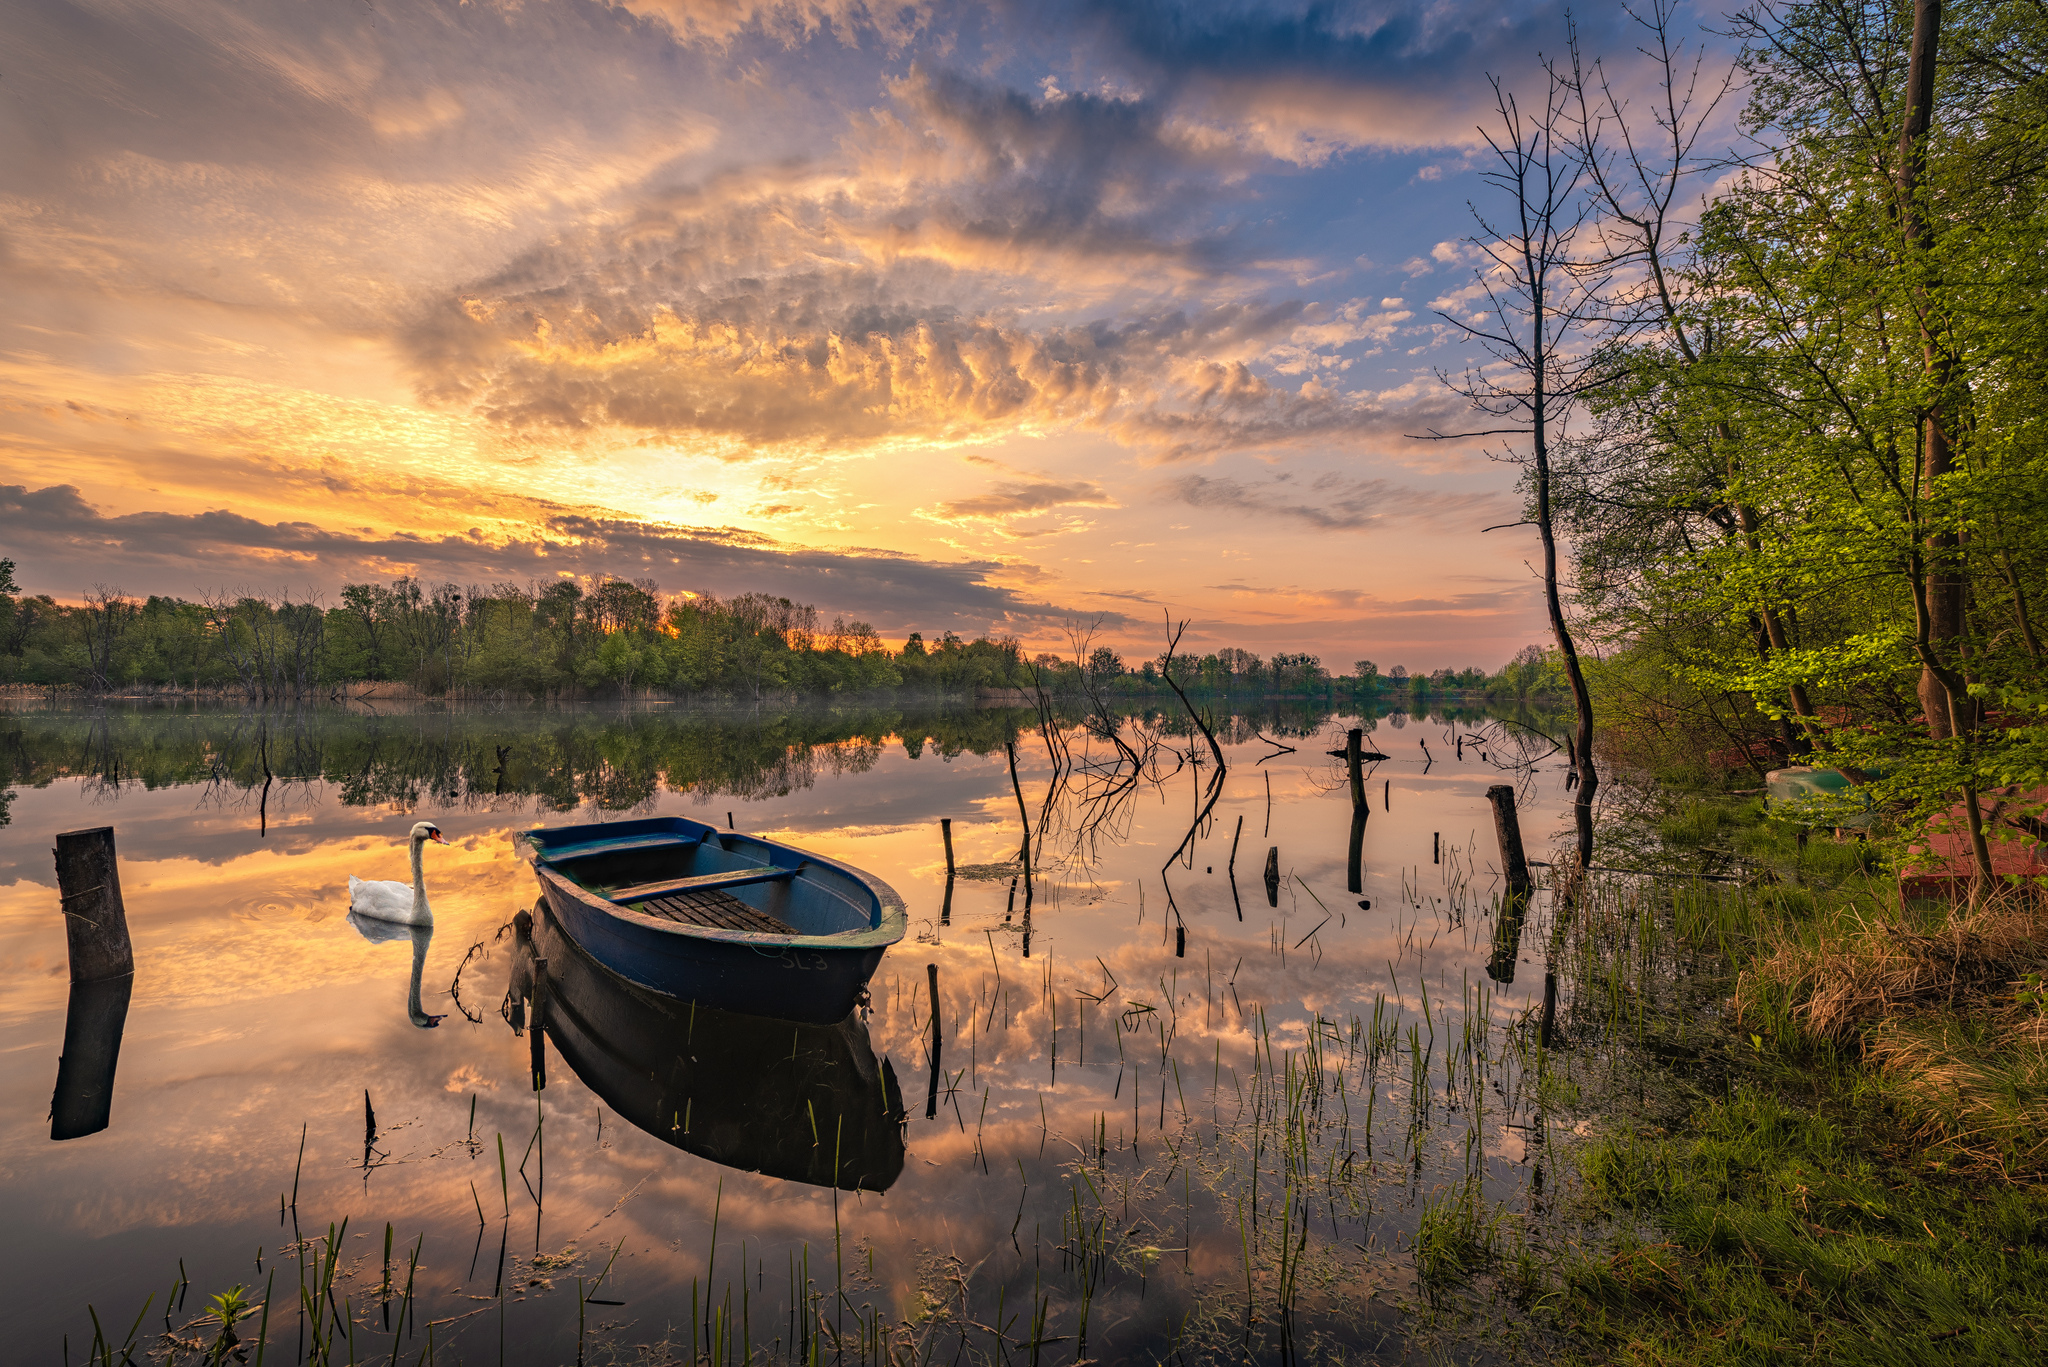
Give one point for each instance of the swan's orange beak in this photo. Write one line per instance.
(437, 837)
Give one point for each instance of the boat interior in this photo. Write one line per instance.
(695, 874)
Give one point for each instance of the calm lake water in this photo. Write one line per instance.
(1222, 1153)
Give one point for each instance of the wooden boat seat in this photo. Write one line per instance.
(716, 909)
(703, 882)
(629, 844)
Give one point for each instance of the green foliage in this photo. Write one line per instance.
(616, 639)
(1812, 506)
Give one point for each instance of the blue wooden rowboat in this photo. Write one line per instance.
(725, 920)
(806, 1103)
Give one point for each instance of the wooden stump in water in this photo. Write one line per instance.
(1507, 828)
(1354, 767)
(84, 1100)
(946, 834)
(1549, 1026)
(95, 920)
(536, 1031)
(1273, 876)
(931, 1096)
(1354, 866)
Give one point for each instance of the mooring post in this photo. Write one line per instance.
(931, 1096)
(536, 1031)
(1354, 765)
(946, 834)
(1507, 828)
(1354, 859)
(93, 1020)
(89, 893)
(1549, 1009)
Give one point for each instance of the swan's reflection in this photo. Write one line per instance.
(808, 1103)
(378, 932)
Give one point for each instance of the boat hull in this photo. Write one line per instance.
(816, 978)
(806, 1103)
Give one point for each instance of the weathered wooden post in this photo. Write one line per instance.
(1273, 876)
(1548, 1028)
(946, 834)
(102, 963)
(1354, 868)
(931, 1096)
(519, 982)
(93, 1021)
(1354, 766)
(95, 920)
(1507, 828)
(537, 1031)
(1507, 940)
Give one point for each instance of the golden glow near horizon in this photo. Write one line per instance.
(938, 321)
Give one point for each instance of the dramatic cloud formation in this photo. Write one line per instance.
(1013, 498)
(57, 527)
(1332, 502)
(891, 291)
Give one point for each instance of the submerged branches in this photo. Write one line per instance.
(1214, 790)
(1278, 748)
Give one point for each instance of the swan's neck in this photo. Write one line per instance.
(419, 877)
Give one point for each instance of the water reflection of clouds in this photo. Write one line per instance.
(257, 1007)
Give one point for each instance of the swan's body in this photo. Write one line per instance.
(384, 900)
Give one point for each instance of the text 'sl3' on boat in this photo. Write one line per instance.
(724, 920)
(807, 1103)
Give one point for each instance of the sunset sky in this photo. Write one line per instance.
(980, 317)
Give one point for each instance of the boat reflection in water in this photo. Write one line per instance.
(808, 1103)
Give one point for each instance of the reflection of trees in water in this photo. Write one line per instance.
(521, 759)
(272, 761)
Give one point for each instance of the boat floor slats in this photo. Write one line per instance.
(718, 910)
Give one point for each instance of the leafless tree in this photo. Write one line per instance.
(108, 612)
(1542, 303)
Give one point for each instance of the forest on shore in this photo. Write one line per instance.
(615, 638)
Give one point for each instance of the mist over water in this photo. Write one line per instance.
(1225, 1151)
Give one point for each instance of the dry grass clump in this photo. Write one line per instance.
(1881, 968)
(1953, 1019)
(1980, 1082)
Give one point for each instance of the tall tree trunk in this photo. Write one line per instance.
(1945, 580)
(1944, 695)
(1582, 697)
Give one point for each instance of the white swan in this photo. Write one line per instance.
(384, 900)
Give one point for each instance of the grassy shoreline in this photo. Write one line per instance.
(1851, 1169)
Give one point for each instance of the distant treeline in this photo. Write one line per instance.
(618, 638)
(543, 758)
